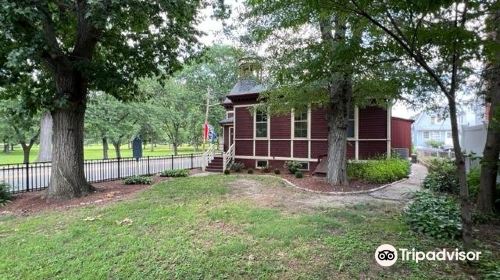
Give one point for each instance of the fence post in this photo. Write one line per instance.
(148, 166)
(27, 166)
(191, 161)
(172, 162)
(119, 175)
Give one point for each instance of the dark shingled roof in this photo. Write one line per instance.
(247, 86)
(227, 121)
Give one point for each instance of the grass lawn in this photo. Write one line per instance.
(95, 152)
(194, 228)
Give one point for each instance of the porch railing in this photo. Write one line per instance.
(228, 158)
(208, 156)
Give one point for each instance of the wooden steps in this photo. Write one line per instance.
(215, 165)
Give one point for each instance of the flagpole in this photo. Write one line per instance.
(205, 126)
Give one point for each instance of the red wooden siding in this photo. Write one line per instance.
(319, 129)
(261, 148)
(280, 127)
(300, 149)
(370, 149)
(249, 163)
(243, 123)
(243, 147)
(372, 123)
(319, 148)
(280, 148)
(401, 133)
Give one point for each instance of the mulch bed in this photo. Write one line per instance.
(316, 183)
(25, 204)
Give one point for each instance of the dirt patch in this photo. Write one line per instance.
(277, 195)
(105, 192)
(320, 184)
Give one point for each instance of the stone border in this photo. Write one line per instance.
(287, 182)
(339, 193)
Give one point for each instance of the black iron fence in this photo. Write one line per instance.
(36, 176)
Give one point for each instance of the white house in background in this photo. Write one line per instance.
(429, 127)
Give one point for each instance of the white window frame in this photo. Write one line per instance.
(307, 121)
(268, 130)
(428, 135)
(354, 121)
(262, 160)
(304, 162)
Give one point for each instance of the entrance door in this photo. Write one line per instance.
(231, 136)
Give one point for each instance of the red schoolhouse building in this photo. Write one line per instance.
(258, 139)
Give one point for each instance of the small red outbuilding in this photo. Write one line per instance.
(401, 134)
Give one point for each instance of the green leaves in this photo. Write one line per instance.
(434, 215)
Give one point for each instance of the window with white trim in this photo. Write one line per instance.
(448, 134)
(300, 124)
(351, 123)
(304, 165)
(261, 164)
(261, 123)
(426, 135)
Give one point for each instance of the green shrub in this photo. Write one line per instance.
(380, 170)
(298, 174)
(175, 173)
(473, 180)
(434, 215)
(237, 166)
(277, 171)
(434, 143)
(442, 177)
(5, 195)
(250, 171)
(227, 172)
(138, 180)
(440, 165)
(292, 166)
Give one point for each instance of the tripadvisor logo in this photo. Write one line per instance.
(387, 255)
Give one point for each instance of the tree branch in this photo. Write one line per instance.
(401, 41)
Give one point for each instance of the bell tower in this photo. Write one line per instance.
(250, 68)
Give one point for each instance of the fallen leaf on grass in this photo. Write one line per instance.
(90, 219)
(125, 222)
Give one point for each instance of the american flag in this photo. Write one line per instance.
(209, 133)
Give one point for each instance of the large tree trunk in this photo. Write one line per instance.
(68, 177)
(45, 152)
(489, 163)
(105, 148)
(117, 149)
(338, 121)
(175, 147)
(26, 153)
(340, 94)
(465, 205)
(6, 147)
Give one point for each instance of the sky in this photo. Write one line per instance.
(214, 35)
